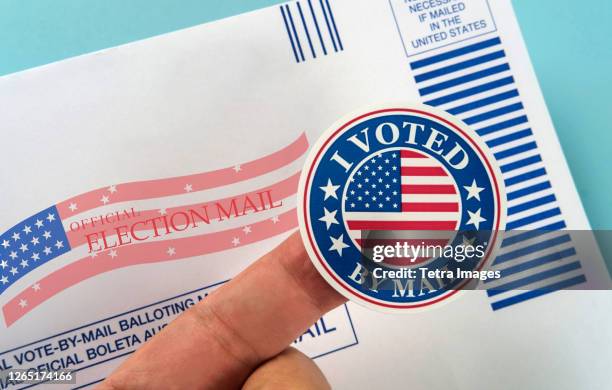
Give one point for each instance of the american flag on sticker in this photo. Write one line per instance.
(402, 196)
(147, 222)
(395, 178)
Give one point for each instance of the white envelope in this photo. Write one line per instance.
(224, 94)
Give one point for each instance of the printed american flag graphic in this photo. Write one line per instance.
(145, 222)
(402, 196)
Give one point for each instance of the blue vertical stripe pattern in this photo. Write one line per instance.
(333, 21)
(312, 50)
(294, 31)
(316, 23)
(474, 82)
(310, 22)
(289, 34)
(331, 35)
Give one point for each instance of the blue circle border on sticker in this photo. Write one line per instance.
(383, 139)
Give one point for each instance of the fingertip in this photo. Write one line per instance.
(296, 261)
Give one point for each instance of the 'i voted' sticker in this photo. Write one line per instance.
(400, 208)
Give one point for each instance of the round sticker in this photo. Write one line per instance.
(400, 208)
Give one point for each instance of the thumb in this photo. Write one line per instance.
(290, 369)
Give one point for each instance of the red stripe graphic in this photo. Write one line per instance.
(145, 250)
(176, 185)
(411, 154)
(280, 190)
(428, 189)
(401, 225)
(146, 253)
(371, 242)
(422, 171)
(429, 207)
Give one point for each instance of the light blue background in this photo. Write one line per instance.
(568, 42)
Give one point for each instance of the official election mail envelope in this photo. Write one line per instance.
(136, 180)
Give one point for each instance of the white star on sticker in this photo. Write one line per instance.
(39, 223)
(473, 190)
(475, 219)
(27, 229)
(104, 199)
(467, 242)
(275, 219)
(237, 168)
(24, 263)
(59, 244)
(23, 303)
(36, 286)
(47, 251)
(5, 244)
(16, 236)
(112, 253)
(3, 264)
(163, 211)
(246, 229)
(14, 271)
(171, 251)
(330, 190)
(51, 217)
(13, 255)
(188, 188)
(338, 244)
(236, 241)
(35, 256)
(329, 218)
(34, 241)
(23, 248)
(47, 235)
(112, 189)
(4, 279)
(73, 207)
